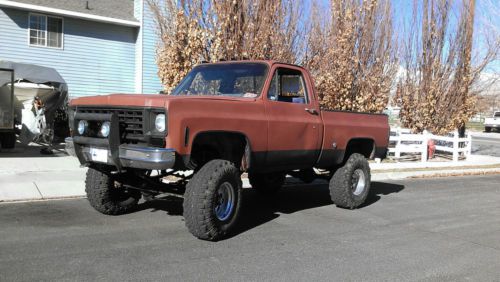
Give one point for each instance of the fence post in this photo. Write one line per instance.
(469, 144)
(425, 140)
(397, 152)
(455, 146)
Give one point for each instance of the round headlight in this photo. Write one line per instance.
(160, 122)
(82, 126)
(105, 129)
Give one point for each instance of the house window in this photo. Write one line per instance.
(45, 31)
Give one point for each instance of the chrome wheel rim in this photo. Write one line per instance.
(224, 201)
(358, 182)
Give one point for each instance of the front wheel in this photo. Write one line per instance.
(107, 195)
(212, 200)
(350, 185)
(487, 129)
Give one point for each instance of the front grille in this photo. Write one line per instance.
(132, 128)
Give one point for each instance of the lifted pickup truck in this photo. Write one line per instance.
(223, 119)
(493, 122)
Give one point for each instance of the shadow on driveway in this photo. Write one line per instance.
(33, 151)
(257, 210)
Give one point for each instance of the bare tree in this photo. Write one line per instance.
(199, 30)
(353, 58)
(182, 42)
(438, 91)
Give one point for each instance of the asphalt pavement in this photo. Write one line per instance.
(486, 144)
(426, 229)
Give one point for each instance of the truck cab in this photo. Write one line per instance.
(493, 122)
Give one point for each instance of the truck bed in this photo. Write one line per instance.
(342, 126)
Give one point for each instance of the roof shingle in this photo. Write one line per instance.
(118, 9)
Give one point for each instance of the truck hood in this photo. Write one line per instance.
(144, 100)
(121, 100)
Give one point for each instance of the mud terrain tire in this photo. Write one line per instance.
(350, 185)
(104, 195)
(212, 200)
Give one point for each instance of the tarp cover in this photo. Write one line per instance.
(32, 73)
(39, 75)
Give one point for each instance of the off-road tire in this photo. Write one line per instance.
(200, 200)
(8, 140)
(267, 183)
(105, 197)
(342, 191)
(487, 129)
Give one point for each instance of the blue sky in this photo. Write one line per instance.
(487, 19)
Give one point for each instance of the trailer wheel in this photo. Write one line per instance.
(212, 200)
(350, 184)
(8, 140)
(487, 129)
(267, 183)
(108, 196)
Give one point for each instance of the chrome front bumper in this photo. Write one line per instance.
(133, 156)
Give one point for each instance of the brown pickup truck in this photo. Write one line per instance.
(223, 119)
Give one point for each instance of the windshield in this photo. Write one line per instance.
(231, 79)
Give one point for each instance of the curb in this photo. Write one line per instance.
(41, 185)
(17, 189)
(395, 175)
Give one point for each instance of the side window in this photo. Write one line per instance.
(288, 86)
(45, 31)
(273, 88)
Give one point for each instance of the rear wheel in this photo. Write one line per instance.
(212, 200)
(350, 185)
(107, 195)
(8, 140)
(487, 129)
(267, 183)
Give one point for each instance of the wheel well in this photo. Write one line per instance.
(229, 146)
(363, 146)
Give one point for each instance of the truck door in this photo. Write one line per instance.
(295, 126)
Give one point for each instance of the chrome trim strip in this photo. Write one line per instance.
(132, 155)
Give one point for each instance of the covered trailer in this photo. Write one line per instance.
(30, 96)
(7, 129)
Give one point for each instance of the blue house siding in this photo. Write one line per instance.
(150, 82)
(98, 58)
(138, 47)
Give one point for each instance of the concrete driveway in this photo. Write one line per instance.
(25, 174)
(445, 229)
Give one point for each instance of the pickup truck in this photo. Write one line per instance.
(222, 120)
(493, 122)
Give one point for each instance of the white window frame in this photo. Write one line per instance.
(46, 31)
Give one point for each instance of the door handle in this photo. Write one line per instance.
(312, 111)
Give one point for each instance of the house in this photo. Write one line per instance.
(98, 47)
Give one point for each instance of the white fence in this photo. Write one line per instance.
(406, 142)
